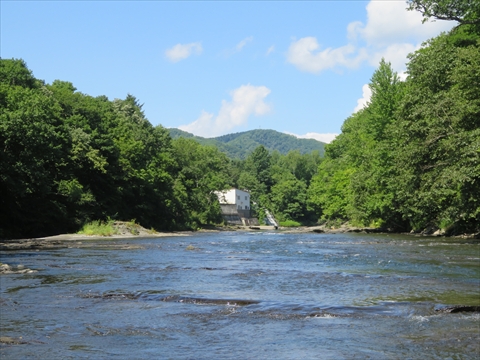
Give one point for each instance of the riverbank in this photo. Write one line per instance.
(81, 240)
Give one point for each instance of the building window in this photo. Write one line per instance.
(246, 207)
(246, 197)
(238, 197)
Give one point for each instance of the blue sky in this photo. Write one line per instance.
(219, 67)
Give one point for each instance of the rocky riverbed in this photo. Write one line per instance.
(123, 231)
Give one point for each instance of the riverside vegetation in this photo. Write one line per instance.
(410, 160)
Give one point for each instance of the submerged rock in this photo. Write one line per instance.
(458, 308)
(20, 269)
(29, 244)
(11, 341)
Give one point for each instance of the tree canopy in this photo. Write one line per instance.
(411, 158)
(462, 11)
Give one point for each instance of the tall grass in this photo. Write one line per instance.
(133, 227)
(289, 223)
(98, 227)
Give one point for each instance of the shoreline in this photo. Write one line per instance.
(81, 240)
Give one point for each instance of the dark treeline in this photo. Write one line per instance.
(409, 160)
(68, 158)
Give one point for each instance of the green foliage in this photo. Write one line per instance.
(201, 171)
(351, 182)
(463, 11)
(330, 194)
(289, 223)
(302, 166)
(67, 158)
(411, 158)
(32, 140)
(256, 177)
(99, 228)
(288, 199)
(14, 72)
(438, 169)
(277, 182)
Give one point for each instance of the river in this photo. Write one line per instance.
(237, 295)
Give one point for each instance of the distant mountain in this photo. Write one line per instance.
(239, 145)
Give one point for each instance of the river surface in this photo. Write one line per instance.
(234, 295)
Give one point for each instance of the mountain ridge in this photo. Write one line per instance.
(239, 145)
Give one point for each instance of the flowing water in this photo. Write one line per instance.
(246, 296)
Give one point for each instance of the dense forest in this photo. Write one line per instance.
(410, 160)
(68, 158)
(240, 145)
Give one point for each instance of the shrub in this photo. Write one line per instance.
(289, 223)
(98, 227)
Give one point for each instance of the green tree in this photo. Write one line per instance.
(257, 176)
(351, 183)
(436, 141)
(67, 158)
(288, 199)
(33, 146)
(202, 170)
(302, 166)
(14, 72)
(330, 194)
(463, 11)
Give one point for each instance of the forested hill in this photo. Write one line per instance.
(240, 145)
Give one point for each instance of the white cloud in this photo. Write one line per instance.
(391, 32)
(183, 51)
(402, 75)
(326, 138)
(389, 22)
(353, 30)
(246, 100)
(270, 50)
(396, 54)
(366, 96)
(305, 54)
(242, 43)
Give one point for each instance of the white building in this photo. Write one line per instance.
(239, 198)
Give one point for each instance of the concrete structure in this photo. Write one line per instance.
(240, 199)
(235, 205)
(234, 196)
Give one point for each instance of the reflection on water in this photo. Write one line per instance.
(241, 295)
